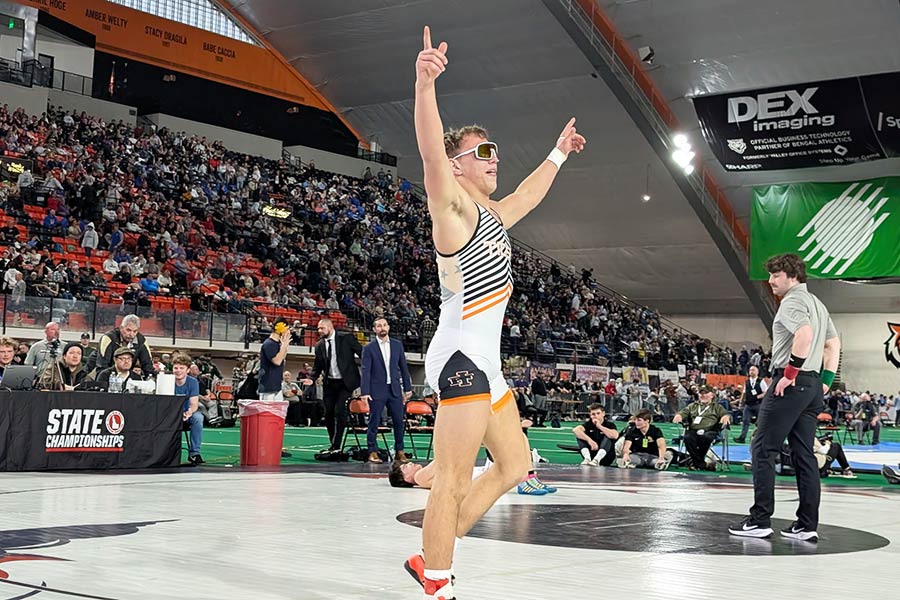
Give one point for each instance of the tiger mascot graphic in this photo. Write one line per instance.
(892, 345)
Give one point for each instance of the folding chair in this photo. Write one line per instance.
(722, 463)
(415, 412)
(357, 422)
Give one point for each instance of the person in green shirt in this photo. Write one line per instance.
(703, 420)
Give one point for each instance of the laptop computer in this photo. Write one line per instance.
(18, 377)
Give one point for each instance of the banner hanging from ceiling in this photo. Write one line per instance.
(841, 230)
(823, 123)
(164, 43)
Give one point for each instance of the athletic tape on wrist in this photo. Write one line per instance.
(557, 157)
(791, 372)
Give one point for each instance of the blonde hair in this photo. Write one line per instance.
(453, 137)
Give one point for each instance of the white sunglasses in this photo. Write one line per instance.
(483, 151)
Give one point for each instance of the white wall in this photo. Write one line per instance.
(338, 163)
(863, 338)
(234, 140)
(109, 111)
(33, 99)
(9, 43)
(730, 330)
(73, 58)
(70, 57)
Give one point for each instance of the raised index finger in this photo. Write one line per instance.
(427, 38)
(568, 126)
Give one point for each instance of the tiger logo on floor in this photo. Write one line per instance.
(892, 345)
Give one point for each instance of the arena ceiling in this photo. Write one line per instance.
(515, 69)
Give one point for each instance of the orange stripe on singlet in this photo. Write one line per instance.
(499, 404)
(506, 294)
(503, 290)
(464, 399)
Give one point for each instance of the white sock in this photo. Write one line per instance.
(487, 464)
(437, 574)
(586, 453)
(600, 455)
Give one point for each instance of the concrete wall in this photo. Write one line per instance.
(234, 140)
(338, 163)
(730, 330)
(33, 100)
(109, 111)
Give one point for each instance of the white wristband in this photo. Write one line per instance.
(557, 157)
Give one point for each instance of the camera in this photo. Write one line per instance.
(646, 54)
(53, 349)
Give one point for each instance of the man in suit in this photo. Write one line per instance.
(383, 369)
(334, 360)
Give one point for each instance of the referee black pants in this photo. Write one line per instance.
(335, 394)
(791, 416)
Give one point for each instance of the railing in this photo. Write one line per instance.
(71, 82)
(34, 73)
(209, 328)
(380, 157)
(13, 72)
(644, 93)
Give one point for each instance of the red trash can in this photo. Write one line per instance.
(262, 432)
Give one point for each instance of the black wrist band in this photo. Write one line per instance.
(796, 361)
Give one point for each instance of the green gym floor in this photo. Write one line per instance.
(222, 447)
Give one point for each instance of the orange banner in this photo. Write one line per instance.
(168, 44)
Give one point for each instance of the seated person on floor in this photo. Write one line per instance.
(703, 421)
(645, 445)
(866, 416)
(827, 451)
(65, 373)
(597, 438)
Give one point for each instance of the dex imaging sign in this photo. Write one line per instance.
(84, 430)
(835, 122)
(783, 106)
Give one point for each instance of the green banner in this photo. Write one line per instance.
(845, 230)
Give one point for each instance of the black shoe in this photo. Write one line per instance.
(748, 528)
(796, 532)
(739, 440)
(285, 454)
(196, 460)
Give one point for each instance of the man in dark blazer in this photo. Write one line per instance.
(385, 382)
(334, 361)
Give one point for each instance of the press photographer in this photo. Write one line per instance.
(65, 373)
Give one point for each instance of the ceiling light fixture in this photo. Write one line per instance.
(683, 155)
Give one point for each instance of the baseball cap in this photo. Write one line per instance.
(706, 389)
(85, 336)
(123, 350)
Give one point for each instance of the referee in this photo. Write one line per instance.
(804, 344)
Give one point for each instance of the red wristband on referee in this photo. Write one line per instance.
(791, 372)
